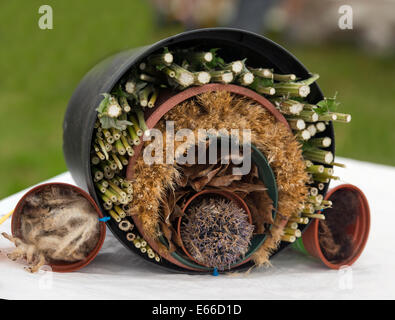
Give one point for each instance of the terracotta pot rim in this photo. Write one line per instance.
(231, 196)
(64, 267)
(363, 231)
(167, 100)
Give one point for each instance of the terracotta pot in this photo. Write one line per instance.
(168, 100)
(359, 231)
(62, 267)
(226, 194)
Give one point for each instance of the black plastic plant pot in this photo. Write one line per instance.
(78, 126)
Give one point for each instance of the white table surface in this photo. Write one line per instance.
(117, 273)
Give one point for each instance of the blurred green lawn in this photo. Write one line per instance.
(41, 68)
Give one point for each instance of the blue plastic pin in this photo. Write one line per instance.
(104, 219)
(215, 272)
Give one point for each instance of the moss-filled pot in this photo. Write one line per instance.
(81, 113)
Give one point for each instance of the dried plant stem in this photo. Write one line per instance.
(97, 173)
(316, 169)
(284, 77)
(136, 126)
(221, 76)
(120, 147)
(140, 117)
(327, 117)
(337, 164)
(261, 72)
(124, 104)
(318, 155)
(312, 129)
(288, 106)
(114, 215)
(144, 94)
(292, 90)
(303, 135)
(201, 77)
(324, 142)
(297, 124)
(288, 238)
(162, 58)
(314, 216)
(321, 127)
(236, 66)
(342, 117)
(152, 100)
(246, 78)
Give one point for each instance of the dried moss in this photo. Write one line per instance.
(216, 232)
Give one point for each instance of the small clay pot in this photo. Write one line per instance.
(226, 194)
(61, 266)
(359, 230)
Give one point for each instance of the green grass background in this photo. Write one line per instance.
(40, 68)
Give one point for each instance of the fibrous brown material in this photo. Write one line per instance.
(57, 224)
(223, 110)
(150, 186)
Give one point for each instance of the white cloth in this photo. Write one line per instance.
(117, 273)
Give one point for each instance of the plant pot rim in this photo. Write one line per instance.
(363, 214)
(231, 196)
(62, 267)
(167, 100)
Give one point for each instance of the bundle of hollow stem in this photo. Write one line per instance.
(121, 123)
